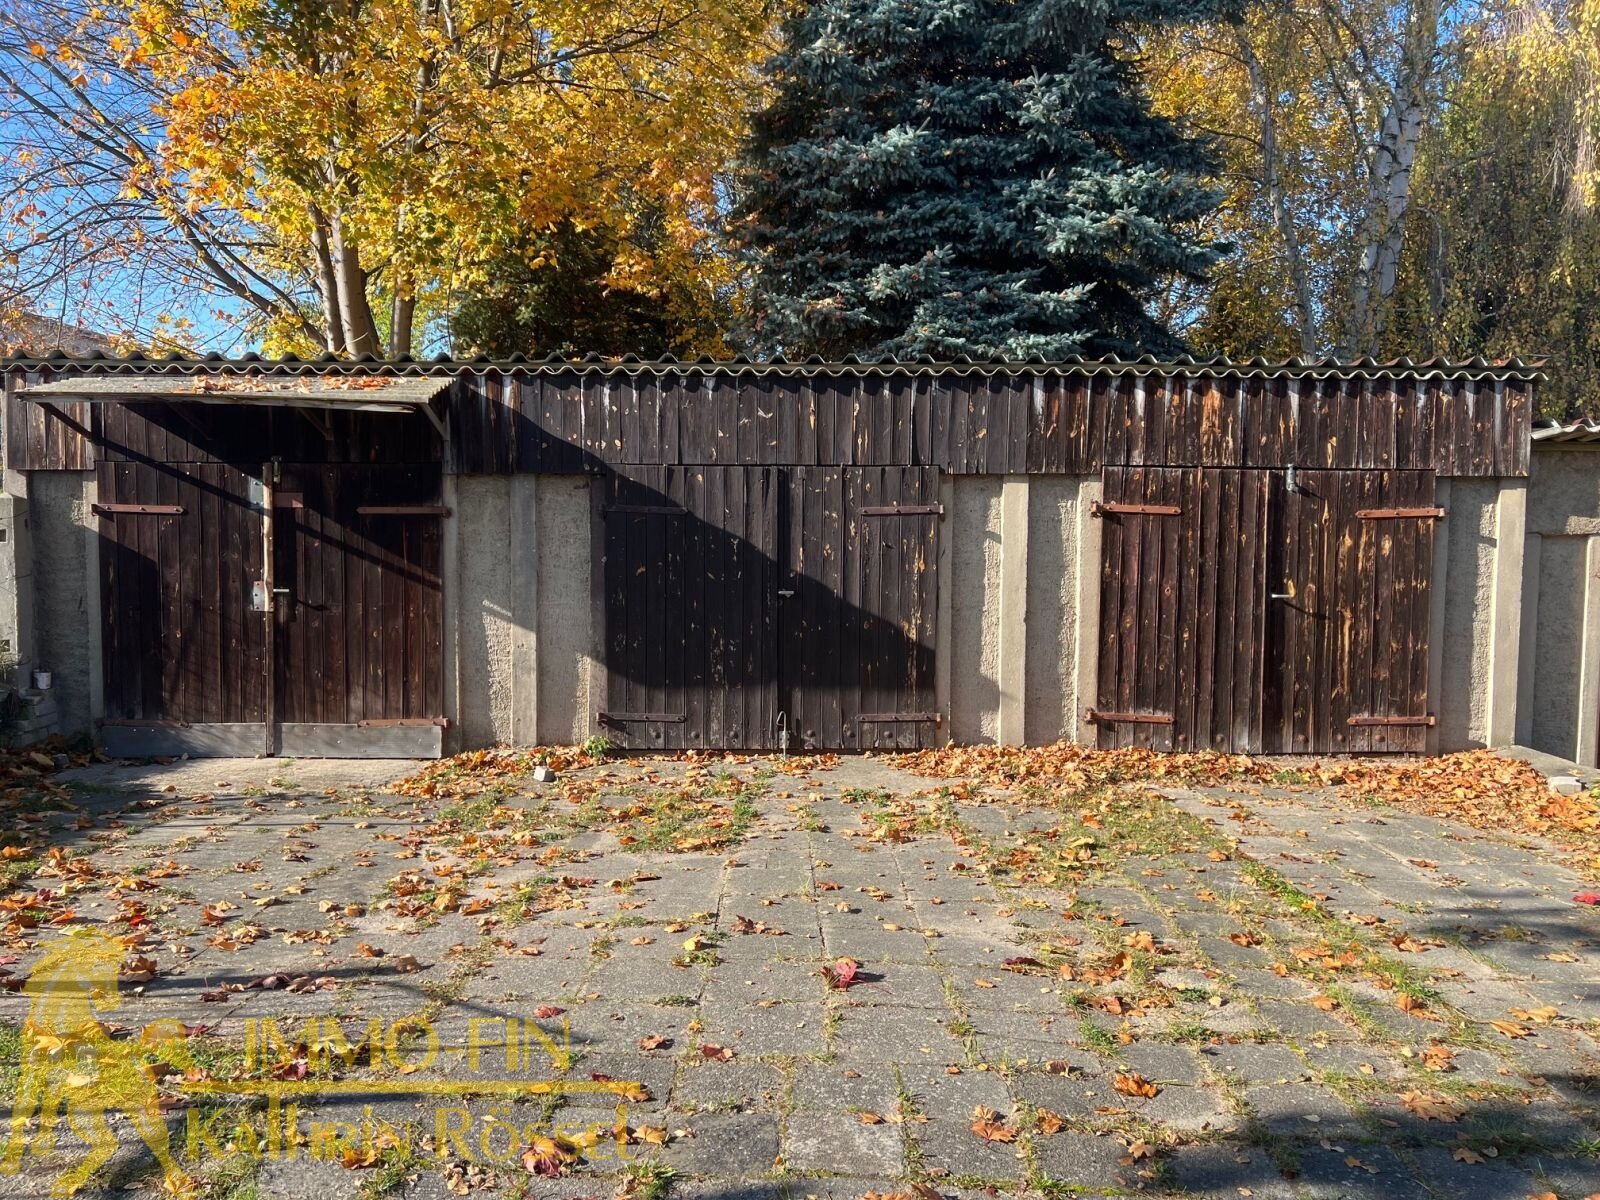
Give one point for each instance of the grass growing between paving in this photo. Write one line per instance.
(1079, 844)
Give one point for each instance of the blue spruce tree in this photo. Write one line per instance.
(973, 177)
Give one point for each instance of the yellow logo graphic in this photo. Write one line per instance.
(74, 1069)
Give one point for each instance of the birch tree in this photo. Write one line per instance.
(1319, 107)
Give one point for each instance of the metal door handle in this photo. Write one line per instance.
(785, 592)
(1280, 595)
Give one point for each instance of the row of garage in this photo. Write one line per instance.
(309, 559)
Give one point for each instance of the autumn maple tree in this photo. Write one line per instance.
(345, 171)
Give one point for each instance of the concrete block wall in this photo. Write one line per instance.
(520, 588)
(1025, 590)
(49, 600)
(1559, 669)
(1467, 541)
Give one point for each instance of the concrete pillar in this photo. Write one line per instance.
(92, 601)
(450, 583)
(16, 590)
(1506, 617)
(1011, 728)
(1438, 594)
(944, 617)
(1588, 741)
(1087, 664)
(1528, 641)
(524, 551)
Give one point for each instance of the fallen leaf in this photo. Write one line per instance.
(1542, 1015)
(1134, 1084)
(1431, 1108)
(842, 974)
(986, 1123)
(1439, 1058)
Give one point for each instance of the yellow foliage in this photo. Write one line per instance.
(425, 137)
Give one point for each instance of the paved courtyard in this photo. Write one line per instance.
(811, 977)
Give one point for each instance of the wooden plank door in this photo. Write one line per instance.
(688, 582)
(1183, 565)
(358, 618)
(1348, 627)
(181, 642)
(859, 607)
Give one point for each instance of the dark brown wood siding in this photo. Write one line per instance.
(739, 601)
(358, 630)
(360, 624)
(179, 641)
(991, 424)
(1242, 614)
(970, 421)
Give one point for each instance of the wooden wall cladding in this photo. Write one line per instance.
(1244, 615)
(506, 421)
(991, 424)
(739, 601)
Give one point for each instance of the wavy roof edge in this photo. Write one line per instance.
(1580, 432)
(1183, 366)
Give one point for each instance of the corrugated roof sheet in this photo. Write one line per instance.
(1322, 368)
(1580, 432)
(370, 393)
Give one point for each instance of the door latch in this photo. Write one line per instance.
(786, 592)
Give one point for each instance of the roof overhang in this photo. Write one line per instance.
(1572, 433)
(343, 393)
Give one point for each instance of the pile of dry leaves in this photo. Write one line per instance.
(478, 771)
(1477, 787)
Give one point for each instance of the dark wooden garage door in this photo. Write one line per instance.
(860, 607)
(689, 591)
(1352, 562)
(180, 643)
(359, 619)
(1242, 614)
(741, 601)
(201, 655)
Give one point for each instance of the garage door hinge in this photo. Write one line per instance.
(1096, 717)
(1099, 509)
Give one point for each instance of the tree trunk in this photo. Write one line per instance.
(1272, 180)
(327, 285)
(402, 316)
(1389, 194)
(355, 311)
